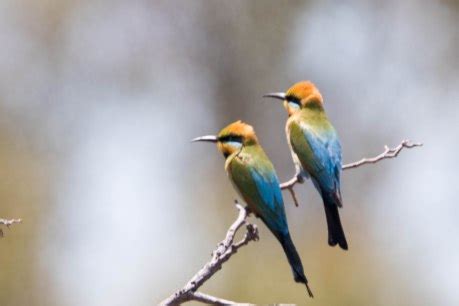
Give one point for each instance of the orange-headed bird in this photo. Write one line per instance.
(254, 177)
(316, 150)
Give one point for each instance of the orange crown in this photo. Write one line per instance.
(304, 91)
(239, 129)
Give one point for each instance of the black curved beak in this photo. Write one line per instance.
(208, 138)
(275, 95)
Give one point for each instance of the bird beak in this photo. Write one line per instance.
(275, 95)
(208, 138)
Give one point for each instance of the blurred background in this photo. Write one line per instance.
(98, 103)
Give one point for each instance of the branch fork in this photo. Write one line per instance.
(225, 249)
(8, 223)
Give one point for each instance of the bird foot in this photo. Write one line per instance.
(299, 177)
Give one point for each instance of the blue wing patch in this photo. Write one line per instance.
(273, 209)
(327, 158)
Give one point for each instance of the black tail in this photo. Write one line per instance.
(335, 229)
(294, 261)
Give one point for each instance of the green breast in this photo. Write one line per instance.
(240, 170)
(316, 122)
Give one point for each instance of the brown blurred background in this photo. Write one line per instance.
(98, 102)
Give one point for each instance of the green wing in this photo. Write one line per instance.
(253, 175)
(319, 152)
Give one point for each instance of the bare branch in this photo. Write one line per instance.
(289, 186)
(8, 223)
(225, 249)
(209, 299)
(387, 154)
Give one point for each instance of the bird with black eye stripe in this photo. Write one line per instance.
(255, 179)
(316, 150)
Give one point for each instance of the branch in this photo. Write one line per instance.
(387, 154)
(289, 186)
(225, 249)
(8, 223)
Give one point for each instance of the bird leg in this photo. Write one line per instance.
(299, 176)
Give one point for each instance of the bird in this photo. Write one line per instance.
(316, 150)
(254, 178)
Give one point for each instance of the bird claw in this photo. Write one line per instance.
(300, 178)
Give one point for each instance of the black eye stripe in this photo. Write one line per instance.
(230, 138)
(293, 99)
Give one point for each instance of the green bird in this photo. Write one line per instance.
(255, 179)
(316, 150)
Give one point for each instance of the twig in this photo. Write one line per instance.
(289, 186)
(225, 249)
(387, 154)
(8, 223)
(209, 299)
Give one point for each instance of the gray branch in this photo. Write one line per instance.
(8, 223)
(225, 249)
(387, 154)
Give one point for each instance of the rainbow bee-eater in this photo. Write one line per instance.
(316, 150)
(255, 179)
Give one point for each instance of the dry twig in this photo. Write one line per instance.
(387, 154)
(8, 223)
(220, 255)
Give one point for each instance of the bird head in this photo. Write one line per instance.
(301, 95)
(232, 138)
